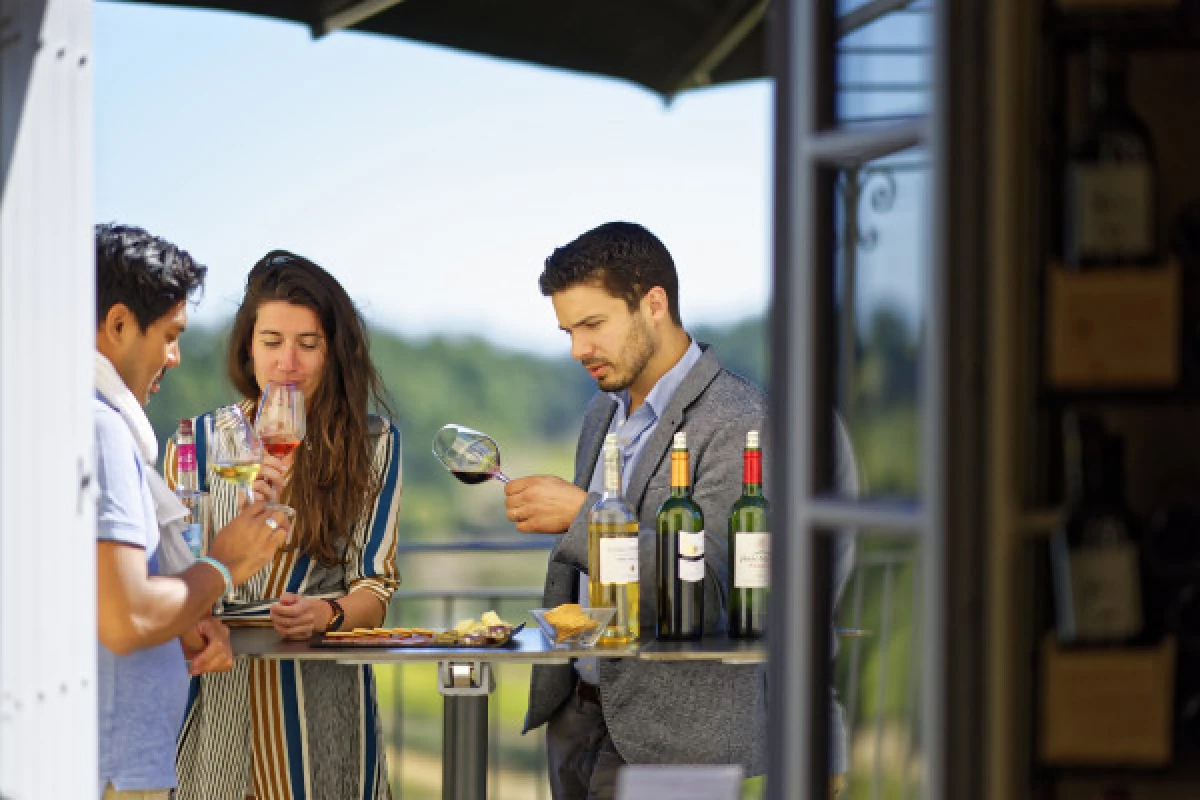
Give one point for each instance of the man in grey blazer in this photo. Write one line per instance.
(615, 292)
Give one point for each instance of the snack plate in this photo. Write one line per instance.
(587, 638)
(408, 637)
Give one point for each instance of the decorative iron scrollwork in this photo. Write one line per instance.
(878, 186)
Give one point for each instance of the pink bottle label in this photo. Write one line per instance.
(187, 457)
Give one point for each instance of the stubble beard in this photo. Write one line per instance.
(635, 353)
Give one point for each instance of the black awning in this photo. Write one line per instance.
(664, 45)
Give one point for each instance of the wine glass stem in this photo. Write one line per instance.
(251, 499)
(500, 476)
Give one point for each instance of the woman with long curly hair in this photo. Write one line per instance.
(286, 730)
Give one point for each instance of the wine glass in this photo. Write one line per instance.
(280, 419)
(471, 456)
(234, 450)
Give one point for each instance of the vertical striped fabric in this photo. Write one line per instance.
(289, 730)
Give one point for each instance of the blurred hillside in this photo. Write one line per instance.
(531, 405)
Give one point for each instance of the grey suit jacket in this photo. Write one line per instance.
(669, 712)
(676, 712)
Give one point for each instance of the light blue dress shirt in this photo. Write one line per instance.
(633, 431)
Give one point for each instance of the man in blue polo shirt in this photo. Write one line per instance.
(151, 616)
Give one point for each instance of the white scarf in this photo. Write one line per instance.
(174, 555)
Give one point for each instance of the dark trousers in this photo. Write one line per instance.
(582, 760)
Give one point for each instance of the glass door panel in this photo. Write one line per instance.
(877, 669)
(882, 61)
(877, 242)
(881, 215)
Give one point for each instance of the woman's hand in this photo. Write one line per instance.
(299, 617)
(272, 478)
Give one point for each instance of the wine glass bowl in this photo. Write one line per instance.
(235, 452)
(469, 455)
(280, 421)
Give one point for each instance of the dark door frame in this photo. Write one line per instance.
(949, 519)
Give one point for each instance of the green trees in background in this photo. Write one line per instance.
(531, 405)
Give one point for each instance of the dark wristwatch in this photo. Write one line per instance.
(339, 614)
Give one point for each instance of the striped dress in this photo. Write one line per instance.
(294, 730)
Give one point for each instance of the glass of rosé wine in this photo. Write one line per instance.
(280, 419)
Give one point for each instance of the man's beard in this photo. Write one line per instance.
(635, 353)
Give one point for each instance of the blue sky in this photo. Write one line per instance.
(431, 182)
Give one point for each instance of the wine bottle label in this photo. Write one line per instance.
(1104, 591)
(751, 560)
(193, 534)
(1113, 208)
(619, 560)
(691, 569)
(186, 457)
(691, 544)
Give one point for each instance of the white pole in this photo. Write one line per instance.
(47, 309)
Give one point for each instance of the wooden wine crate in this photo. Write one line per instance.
(1107, 706)
(1113, 328)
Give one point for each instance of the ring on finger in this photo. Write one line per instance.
(272, 524)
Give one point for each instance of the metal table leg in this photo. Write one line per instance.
(465, 687)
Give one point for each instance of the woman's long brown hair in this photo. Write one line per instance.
(334, 483)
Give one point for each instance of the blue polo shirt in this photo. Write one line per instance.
(141, 696)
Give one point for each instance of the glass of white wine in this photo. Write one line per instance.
(235, 452)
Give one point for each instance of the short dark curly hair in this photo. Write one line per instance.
(147, 274)
(622, 257)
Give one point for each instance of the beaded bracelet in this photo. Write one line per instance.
(221, 568)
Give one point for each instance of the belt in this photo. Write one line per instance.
(588, 692)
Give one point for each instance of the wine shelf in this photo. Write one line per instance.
(1156, 417)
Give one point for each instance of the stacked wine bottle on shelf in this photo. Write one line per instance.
(1094, 552)
(679, 569)
(1111, 184)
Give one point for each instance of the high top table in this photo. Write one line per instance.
(465, 681)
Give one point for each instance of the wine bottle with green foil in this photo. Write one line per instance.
(749, 549)
(613, 573)
(680, 529)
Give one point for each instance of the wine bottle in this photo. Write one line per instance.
(1110, 180)
(680, 526)
(187, 484)
(749, 549)
(1097, 583)
(613, 574)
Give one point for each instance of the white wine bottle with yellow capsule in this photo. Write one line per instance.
(614, 572)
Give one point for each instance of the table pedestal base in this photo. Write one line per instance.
(465, 688)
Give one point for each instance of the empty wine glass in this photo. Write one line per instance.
(280, 419)
(469, 455)
(234, 450)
